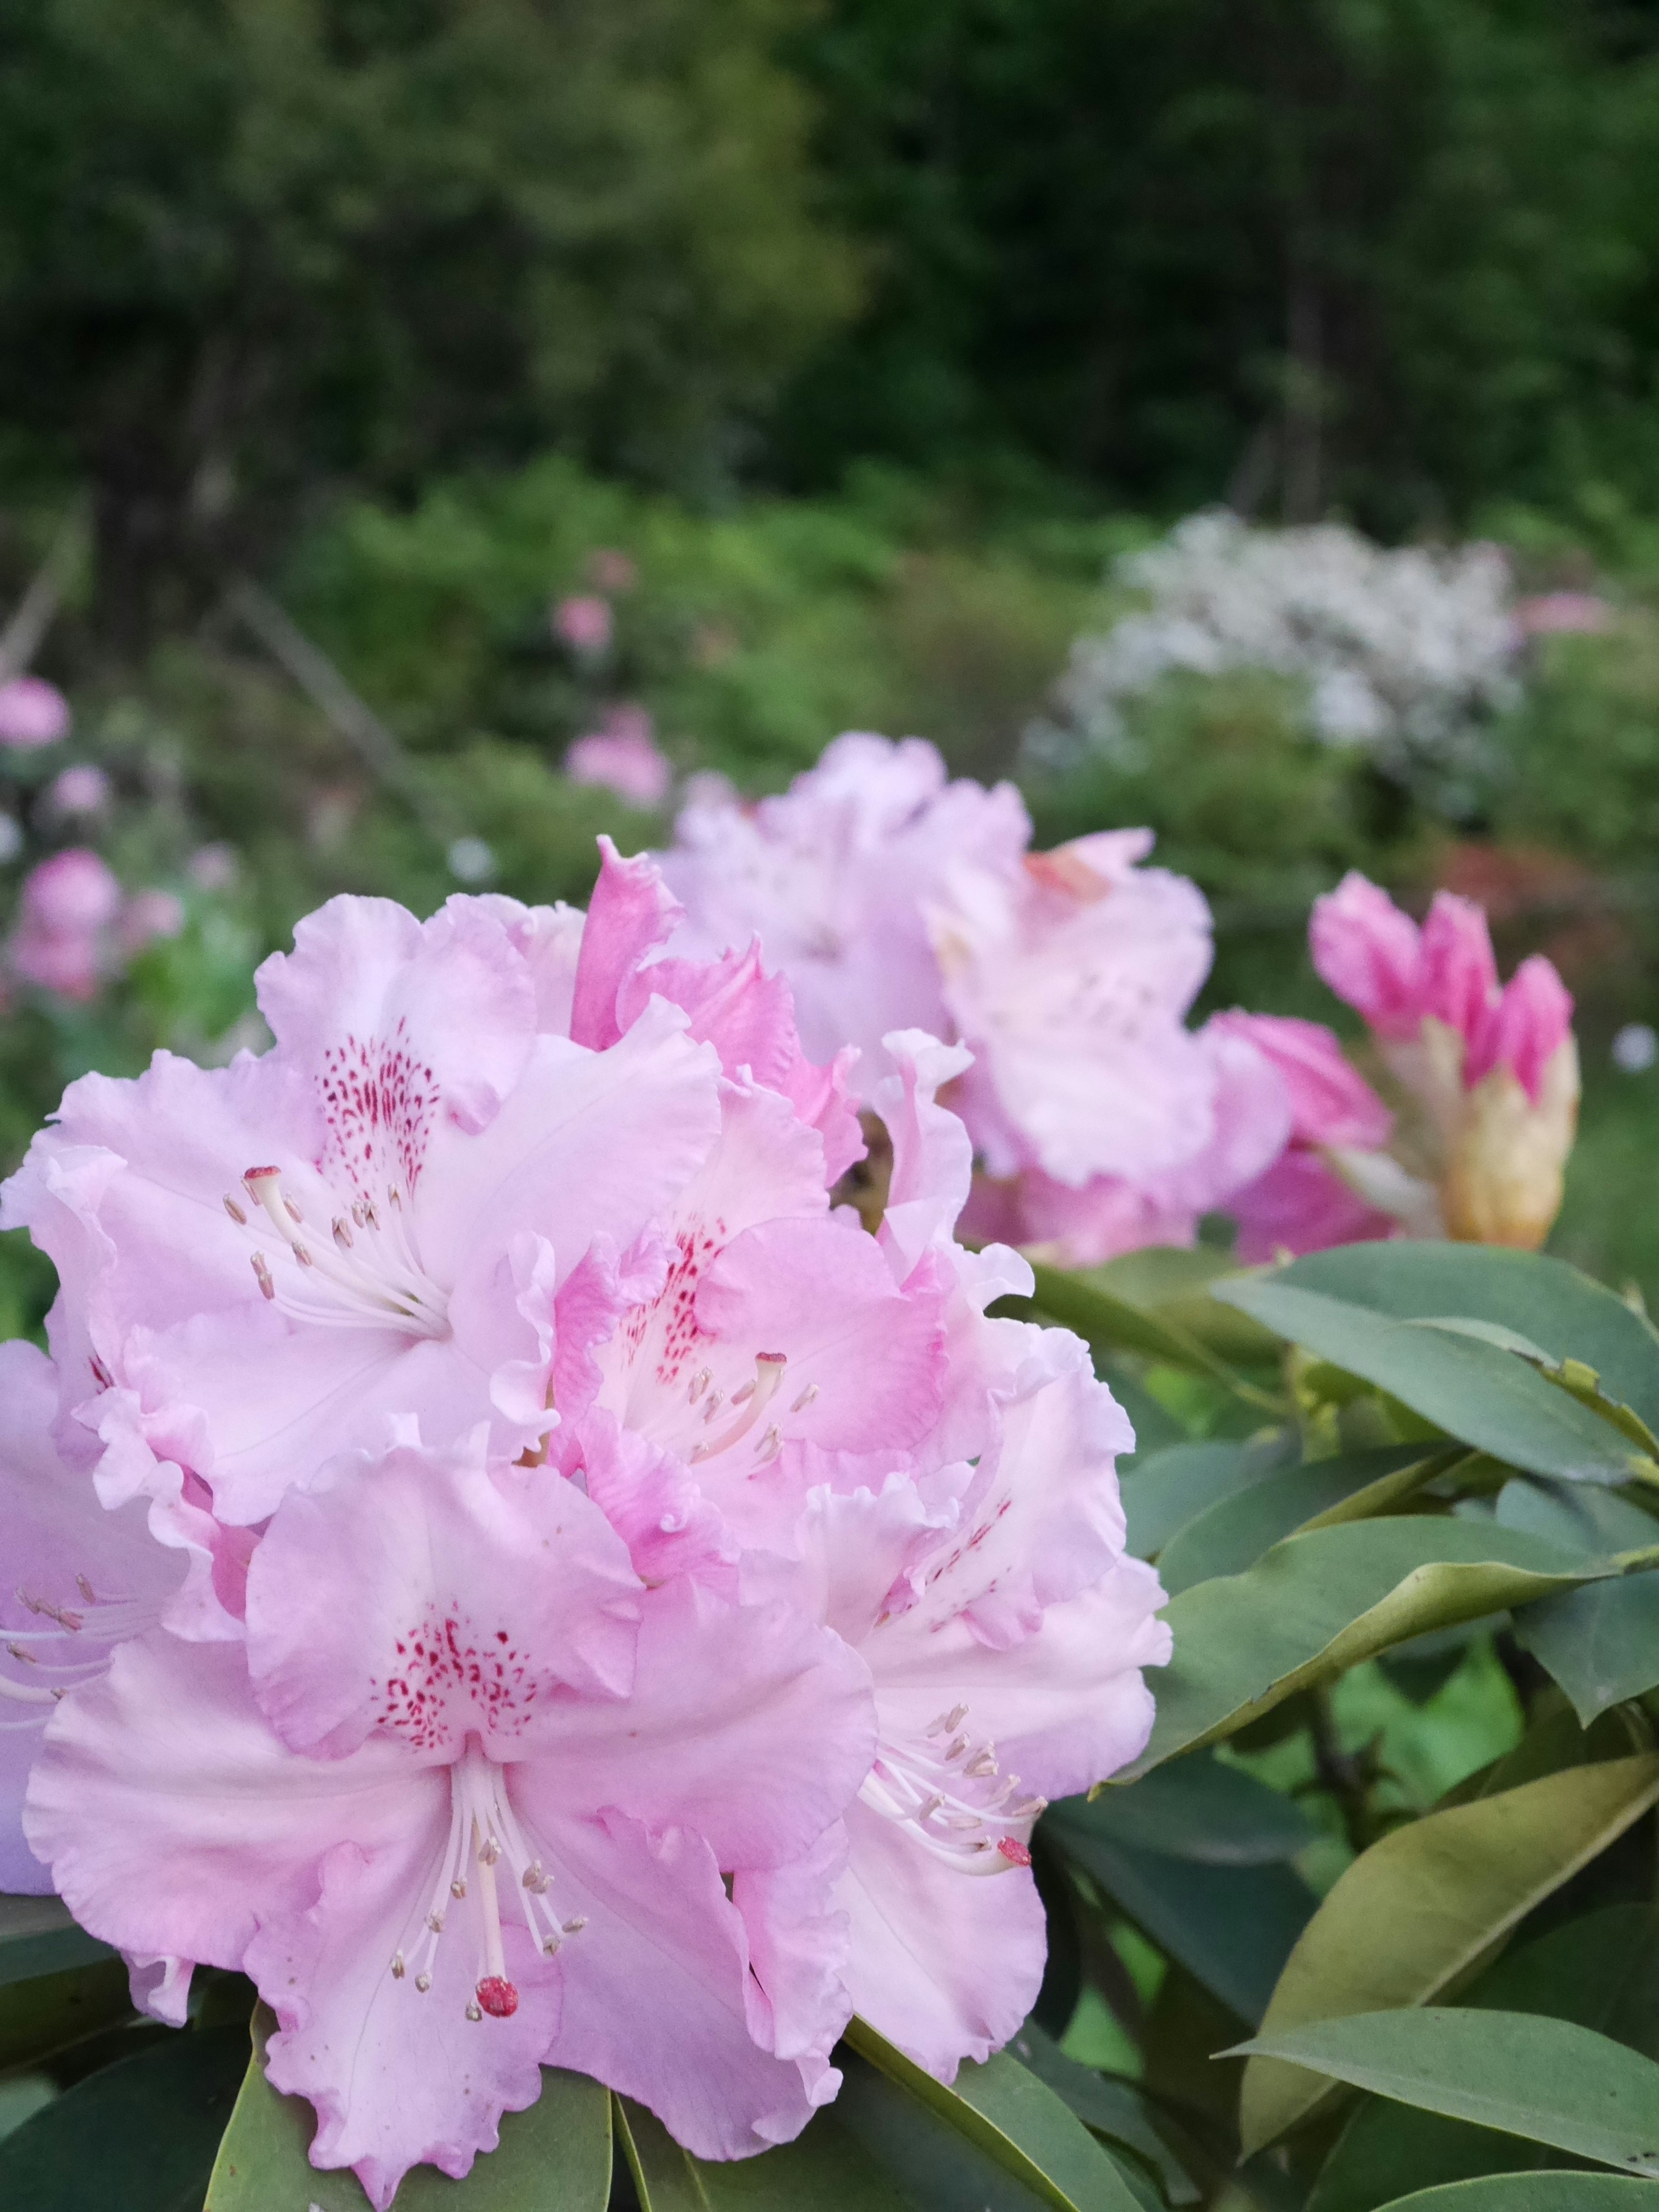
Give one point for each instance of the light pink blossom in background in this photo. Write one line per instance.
(1549, 614)
(31, 713)
(213, 867)
(81, 789)
(148, 916)
(67, 908)
(584, 621)
(623, 757)
(611, 571)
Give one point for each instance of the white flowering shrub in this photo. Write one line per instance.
(1400, 651)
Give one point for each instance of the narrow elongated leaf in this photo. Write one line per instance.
(1199, 1809)
(1547, 2080)
(1106, 2104)
(1420, 1907)
(1017, 2120)
(139, 2134)
(1119, 1308)
(1565, 1314)
(1232, 1928)
(1325, 1599)
(918, 2152)
(664, 2176)
(1585, 1517)
(1232, 1534)
(49, 2010)
(38, 1936)
(555, 2157)
(1487, 1397)
(1532, 2192)
(1601, 1643)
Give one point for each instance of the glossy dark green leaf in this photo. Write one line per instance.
(1107, 2105)
(1158, 1304)
(139, 2135)
(1473, 1390)
(1201, 1808)
(49, 2010)
(1565, 1313)
(1533, 2192)
(916, 2149)
(555, 2157)
(1325, 1599)
(1585, 1517)
(1601, 1971)
(38, 1936)
(1419, 1908)
(1166, 1489)
(1231, 1927)
(1547, 2080)
(824, 2170)
(1600, 1643)
(1232, 1534)
(1155, 1427)
(1017, 2121)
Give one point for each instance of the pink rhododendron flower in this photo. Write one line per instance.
(68, 905)
(1492, 1072)
(623, 757)
(81, 789)
(462, 1806)
(31, 713)
(584, 622)
(147, 915)
(1549, 614)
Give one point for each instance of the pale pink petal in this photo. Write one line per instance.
(933, 1151)
(398, 2076)
(548, 938)
(1459, 972)
(422, 1597)
(654, 1502)
(798, 1940)
(1301, 1205)
(1369, 953)
(630, 914)
(160, 1987)
(1331, 1103)
(944, 1965)
(1251, 1119)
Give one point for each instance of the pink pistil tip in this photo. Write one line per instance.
(498, 1997)
(1014, 1851)
(258, 1175)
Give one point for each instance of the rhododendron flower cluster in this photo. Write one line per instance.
(75, 926)
(891, 897)
(507, 1564)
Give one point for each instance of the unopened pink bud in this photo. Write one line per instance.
(1525, 1028)
(31, 713)
(1367, 951)
(1458, 977)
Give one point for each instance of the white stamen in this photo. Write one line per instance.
(805, 1399)
(700, 1382)
(755, 1397)
(951, 1797)
(380, 1284)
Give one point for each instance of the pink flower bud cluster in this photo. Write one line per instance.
(76, 927)
(498, 1556)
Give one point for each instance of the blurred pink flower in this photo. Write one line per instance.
(67, 904)
(149, 915)
(213, 867)
(81, 789)
(1556, 613)
(611, 571)
(623, 757)
(584, 622)
(31, 713)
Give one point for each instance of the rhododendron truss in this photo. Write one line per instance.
(563, 1592)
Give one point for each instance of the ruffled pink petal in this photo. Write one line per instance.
(1331, 1103)
(798, 1942)
(631, 913)
(1459, 971)
(944, 1963)
(1301, 1205)
(548, 938)
(423, 1597)
(174, 1821)
(655, 1503)
(1524, 1029)
(399, 1021)
(398, 2076)
(747, 1723)
(1367, 951)
(655, 1985)
(933, 1151)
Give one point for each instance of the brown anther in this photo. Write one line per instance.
(86, 1589)
(235, 1211)
(18, 1652)
(303, 1257)
(291, 1209)
(342, 1233)
(262, 1274)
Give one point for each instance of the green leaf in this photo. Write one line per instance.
(139, 2134)
(49, 2010)
(1232, 1927)
(1547, 2080)
(1419, 1908)
(1586, 1518)
(1487, 1397)
(1167, 1489)
(1018, 2121)
(1601, 1643)
(1325, 1599)
(1565, 1314)
(1158, 1304)
(1232, 1534)
(39, 1937)
(1106, 2104)
(823, 2170)
(1532, 2192)
(555, 2157)
(1199, 1809)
